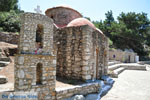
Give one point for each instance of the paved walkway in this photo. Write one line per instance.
(130, 85)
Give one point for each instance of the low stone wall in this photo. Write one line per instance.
(9, 37)
(134, 67)
(81, 89)
(144, 62)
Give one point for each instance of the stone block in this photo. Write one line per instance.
(54, 61)
(77, 69)
(21, 83)
(25, 48)
(21, 73)
(86, 57)
(85, 68)
(21, 60)
(86, 77)
(85, 62)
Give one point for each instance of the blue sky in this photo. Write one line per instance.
(95, 9)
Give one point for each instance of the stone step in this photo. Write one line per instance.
(117, 71)
(113, 63)
(3, 80)
(113, 67)
(3, 63)
(5, 59)
(135, 67)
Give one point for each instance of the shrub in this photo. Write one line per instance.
(9, 21)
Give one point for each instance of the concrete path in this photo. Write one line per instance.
(130, 85)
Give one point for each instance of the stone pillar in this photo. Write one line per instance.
(106, 56)
(87, 69)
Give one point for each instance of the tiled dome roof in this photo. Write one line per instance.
(80, 22)
(62, 6)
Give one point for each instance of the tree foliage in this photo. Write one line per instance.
(9, 21)
(7, 5)
(130, 31)
(9, 16)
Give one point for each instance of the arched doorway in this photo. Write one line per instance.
(39, 74)
(39, 36)
(97, 61)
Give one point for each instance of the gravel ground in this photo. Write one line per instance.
(8, 71)
(130, 85)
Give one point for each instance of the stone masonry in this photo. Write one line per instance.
(122, 56)
(27, 77)
(81, 53)
(47, 48)
(27, 38)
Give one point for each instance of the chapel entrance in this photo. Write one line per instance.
(97, 57)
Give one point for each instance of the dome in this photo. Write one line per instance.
(80, 22)
(64, 7)
(62, 15)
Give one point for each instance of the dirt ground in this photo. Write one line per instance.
(8, 71)
(7, 45)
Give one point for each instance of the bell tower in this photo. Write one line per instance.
(35, 63)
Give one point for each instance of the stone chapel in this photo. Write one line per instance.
(61, 43)
(81, 48)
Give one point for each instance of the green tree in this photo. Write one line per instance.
(131, 31)
(135, 31)
(109, 18)
(7, 5)
(108, 24)
(9, 21)
(9, 16)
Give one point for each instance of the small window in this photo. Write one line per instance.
(39, 74)
(39, 36)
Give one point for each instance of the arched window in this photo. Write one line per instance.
(114, 56)
(39, 74)
(39, 36)
(52, 16)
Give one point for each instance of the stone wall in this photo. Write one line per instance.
(130, 57)
(82, 89)
(25, 75)
(116, 55)
(106, 53)
(81, 53)
(101, 46)
(69, 52)
(27, 41)
(9, 37)
(122, 56)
